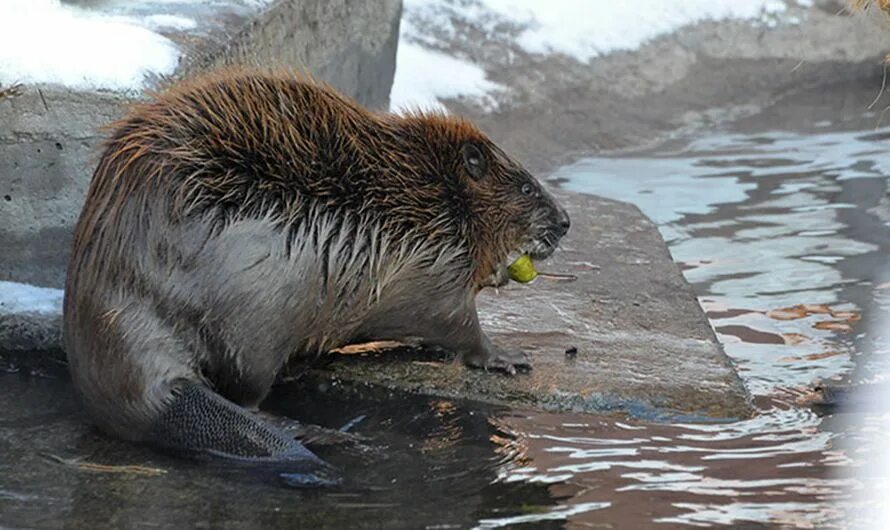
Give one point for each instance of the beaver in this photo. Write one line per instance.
(245, 217)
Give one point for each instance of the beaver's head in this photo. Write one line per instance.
(514, 214)
(506, 212)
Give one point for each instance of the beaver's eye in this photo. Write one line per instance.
(528, 189)
(474, 161)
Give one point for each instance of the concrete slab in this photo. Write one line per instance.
(48, 134)
(643, 344)
(48, 138)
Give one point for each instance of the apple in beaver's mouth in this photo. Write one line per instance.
(523, 269)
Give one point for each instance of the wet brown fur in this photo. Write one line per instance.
(249, 162)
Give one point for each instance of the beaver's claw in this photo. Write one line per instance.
(508, 362)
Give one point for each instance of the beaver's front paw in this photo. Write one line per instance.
(508, 362)
(498, 278)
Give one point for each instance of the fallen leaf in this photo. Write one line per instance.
(107, 468)
(367, 347)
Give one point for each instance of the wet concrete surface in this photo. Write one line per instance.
(642, 343)
(39, 490)
(636, 337)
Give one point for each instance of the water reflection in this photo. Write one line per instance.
(776, 462)
(785, 239)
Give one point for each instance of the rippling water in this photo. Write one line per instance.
(785, 239)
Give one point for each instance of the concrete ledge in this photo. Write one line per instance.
(644, 346)
(37, 335)
(48, 141)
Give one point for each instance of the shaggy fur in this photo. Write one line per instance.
(244, 217)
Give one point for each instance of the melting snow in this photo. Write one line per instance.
(423, 77)
(45, 41)
(602, 27)
(23, 298)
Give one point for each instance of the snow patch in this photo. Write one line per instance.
(169, 22)
(24, 298)
(423, 77)
(44, 41)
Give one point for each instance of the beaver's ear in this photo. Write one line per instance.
(474, 161)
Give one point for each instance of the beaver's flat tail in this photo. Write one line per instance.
(199, 422)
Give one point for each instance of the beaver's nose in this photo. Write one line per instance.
(563, 222)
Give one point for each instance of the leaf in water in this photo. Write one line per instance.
(823, 355)
(849, 316)
(795, 338)
(788, 313)
(817, 309)
(831, 325)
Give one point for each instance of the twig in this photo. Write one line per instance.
(557, 276)
(10, 91)
(105, 468)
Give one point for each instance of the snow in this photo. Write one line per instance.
(583, 30)
(601, 27)
(424, 76)
(23, 298)
(44, 41)
(169, 22)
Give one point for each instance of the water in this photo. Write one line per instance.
(785, 239)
